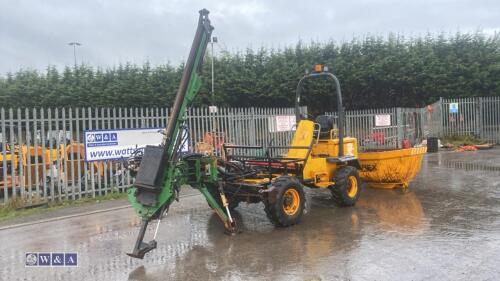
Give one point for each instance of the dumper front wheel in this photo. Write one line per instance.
(286, 205)
(346, 189)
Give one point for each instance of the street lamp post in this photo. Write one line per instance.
(213, 108)
(214, 40)
(74, 44)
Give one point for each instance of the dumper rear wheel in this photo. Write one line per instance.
(287, 204)
(346, 190)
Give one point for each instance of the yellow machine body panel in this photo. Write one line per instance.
(317, 168)
(330, 147)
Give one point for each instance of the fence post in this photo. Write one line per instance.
(400, 126)
(3, 143)
(254, 131)
(479, 117)
(441, 119)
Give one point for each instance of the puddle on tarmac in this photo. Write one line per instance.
(470, 166)
(446, 226)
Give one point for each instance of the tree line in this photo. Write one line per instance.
(374, 72)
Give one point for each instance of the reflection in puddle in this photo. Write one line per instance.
(394, 210)
(193, 244)
(304, 250)
(388, 235)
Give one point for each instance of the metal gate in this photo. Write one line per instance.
(384, 128)
(478, 116)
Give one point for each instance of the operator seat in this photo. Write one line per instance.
(326, 124)
(303, 137)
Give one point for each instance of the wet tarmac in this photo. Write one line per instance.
(446, 226)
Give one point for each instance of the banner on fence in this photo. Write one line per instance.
(116, 144)
(382, 120)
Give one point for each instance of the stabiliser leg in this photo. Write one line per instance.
(141, 248)
(225, 204)
(228, 221)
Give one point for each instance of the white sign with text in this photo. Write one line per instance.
(282, 123)
(382, 120)
(116, 144)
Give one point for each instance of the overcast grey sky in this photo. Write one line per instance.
(35, 33)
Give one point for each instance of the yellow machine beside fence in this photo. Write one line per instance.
(71, 157)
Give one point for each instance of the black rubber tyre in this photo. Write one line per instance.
(214, 191)
(290, 202)
(346, 190)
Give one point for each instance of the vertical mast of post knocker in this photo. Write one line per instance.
(155, 185)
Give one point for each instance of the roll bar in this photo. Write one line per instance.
(340, 109)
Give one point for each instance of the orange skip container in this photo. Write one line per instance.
(391, 168)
